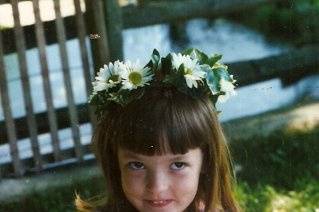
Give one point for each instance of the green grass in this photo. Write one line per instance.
(280, 159)
(278, 172)
(56, 199)
(263, 197)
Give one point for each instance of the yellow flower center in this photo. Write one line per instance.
(114, 78)
(135, 78)
(188, 71)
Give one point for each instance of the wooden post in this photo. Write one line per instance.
(114, 26)
(21, 50)
(96, 29)
(67, 80)
(47, 89)
(84, 55)
(178, 34)
(11, 128)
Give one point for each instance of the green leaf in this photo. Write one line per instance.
(93, 99)
(155, 57)
(155, 61)
(214, 99)
(181, 69)
(222, 73)
(214, 76)
(166, 64)
(215, 58)
(200, 56)
(212, 79)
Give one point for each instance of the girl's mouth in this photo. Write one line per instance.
(159, 203)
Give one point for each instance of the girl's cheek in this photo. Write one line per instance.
(183, 173)
(179, 175)
(128, 176)
(133, 175)
(184, 176)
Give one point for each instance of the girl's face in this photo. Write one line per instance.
(165, 182)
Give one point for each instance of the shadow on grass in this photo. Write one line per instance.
(57, 199)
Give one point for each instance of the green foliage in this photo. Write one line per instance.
(254, 198)
(278, 172)
(280, 159)
(214, 70)
(202, 57)
(263, 197)
(292, 21)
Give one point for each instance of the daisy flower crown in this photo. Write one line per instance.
(191, 72)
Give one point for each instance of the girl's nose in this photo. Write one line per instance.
(157, 182)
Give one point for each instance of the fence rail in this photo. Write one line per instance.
(21, 50)
(10, 126)
(46, 84)
(106, 18)
(32, 125)
(298, 63)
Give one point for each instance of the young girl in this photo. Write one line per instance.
(158, 141)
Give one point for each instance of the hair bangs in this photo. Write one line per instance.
(165, 122)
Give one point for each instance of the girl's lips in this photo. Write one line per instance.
(159, 203)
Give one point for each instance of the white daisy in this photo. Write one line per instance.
(219, 65)
(192, 70)
(108, 76)
(228, 88)
(193, 55)
(232, 78)
(135, 76)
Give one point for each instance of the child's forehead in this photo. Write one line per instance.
(124, 153)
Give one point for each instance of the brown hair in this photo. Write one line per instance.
(167, 120)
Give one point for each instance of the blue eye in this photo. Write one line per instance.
(178, 165)
(135, 165)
